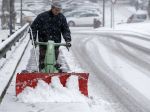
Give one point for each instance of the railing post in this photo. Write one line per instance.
(10, 17)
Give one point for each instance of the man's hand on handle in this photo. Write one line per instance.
(68, 45)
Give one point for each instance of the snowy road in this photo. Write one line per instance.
(119, 76)
(116, 75)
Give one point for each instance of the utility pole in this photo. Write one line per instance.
(21, 23)
(10, 17)
(112, 13)
(103, 13)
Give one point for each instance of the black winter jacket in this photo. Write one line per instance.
(50, 27)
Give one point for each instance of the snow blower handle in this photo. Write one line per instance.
(34, 47)
(67, 44)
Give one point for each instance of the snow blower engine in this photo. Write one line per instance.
(24, 80)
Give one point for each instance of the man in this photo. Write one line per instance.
(50, 25)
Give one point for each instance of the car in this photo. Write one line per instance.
(81, 10)
(139, 16)
(73, 13)
(83, 19)
(27, 16)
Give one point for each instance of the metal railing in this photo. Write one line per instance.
(8, 43)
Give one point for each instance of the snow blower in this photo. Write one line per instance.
(24, 80)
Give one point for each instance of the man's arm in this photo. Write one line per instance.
(65, 30)
(35, 26)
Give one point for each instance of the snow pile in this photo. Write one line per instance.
(4, 35)
(68, 61)
(54, 92)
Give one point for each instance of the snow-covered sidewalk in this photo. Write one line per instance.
(7, 70)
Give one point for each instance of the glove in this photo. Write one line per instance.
(68, 44)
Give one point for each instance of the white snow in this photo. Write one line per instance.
(53, 92)
(142, 28)
(72, 64)
(4, 35)
(126, 71)
(141, 12)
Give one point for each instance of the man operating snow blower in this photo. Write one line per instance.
(50, 25)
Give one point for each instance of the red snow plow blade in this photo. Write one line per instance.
(31, 79)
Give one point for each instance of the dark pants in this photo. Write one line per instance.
(42, 55)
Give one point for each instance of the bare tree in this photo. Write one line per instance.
(7, 10)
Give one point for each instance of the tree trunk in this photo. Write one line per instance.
(6, 12)
(148, 9)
